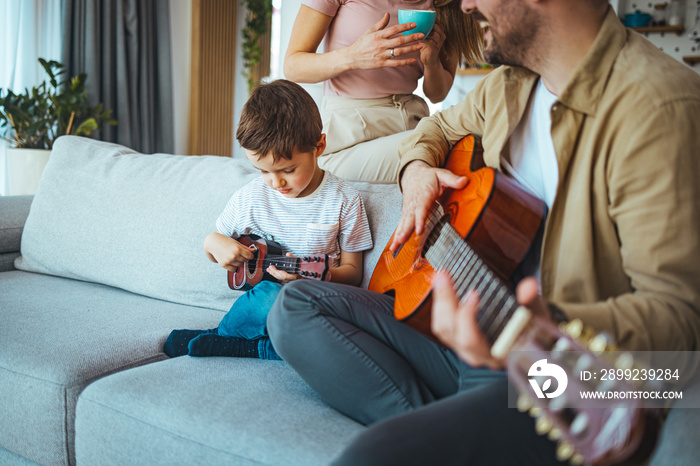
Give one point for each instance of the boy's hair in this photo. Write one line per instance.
(278, 117)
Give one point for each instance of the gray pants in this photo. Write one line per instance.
(346, 344)
(434, 408)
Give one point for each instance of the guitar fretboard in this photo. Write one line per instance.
(446, 250)
(286, 263)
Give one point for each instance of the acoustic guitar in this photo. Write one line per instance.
(480, 235)
(313, 266)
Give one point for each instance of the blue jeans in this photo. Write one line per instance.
(247, 318)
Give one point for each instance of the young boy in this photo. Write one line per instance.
(294, 202)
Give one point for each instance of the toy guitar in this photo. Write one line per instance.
(479, 235)
(270, 253)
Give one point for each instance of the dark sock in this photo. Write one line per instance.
(211, 344)
(176, 344)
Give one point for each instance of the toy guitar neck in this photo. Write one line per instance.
(268, 253)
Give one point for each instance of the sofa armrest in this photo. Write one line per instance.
(13, 214)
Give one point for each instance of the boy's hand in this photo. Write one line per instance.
(227, 252)
(281, 275)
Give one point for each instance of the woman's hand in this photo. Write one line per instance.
(438, 69)
(374, 48)
(430, 51)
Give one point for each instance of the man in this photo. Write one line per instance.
(602, 126)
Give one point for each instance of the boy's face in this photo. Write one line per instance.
(297, 177)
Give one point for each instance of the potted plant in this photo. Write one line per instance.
(31, 122)
(258, 17)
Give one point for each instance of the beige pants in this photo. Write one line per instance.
(363, 135)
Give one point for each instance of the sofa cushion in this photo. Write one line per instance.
(106, 214)
(58, 335)
(208, 411)
(13, 215)
(383, 205)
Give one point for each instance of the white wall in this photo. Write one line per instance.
(671, 43)
(288, 13)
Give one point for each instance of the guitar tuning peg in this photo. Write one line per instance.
(554, 434)
(564, 451)
(624, 361)
(580, 424)
(573, 328)
(535, 411)
(577, 459)
(543, 425)
(599, 343)
(524, 403)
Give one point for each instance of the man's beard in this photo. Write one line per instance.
(516, 43)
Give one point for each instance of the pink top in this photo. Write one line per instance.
(352, 18)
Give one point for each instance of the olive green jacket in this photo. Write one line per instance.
(621, 247)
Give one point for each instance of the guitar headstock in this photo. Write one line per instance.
(587, 432)
(313, 266)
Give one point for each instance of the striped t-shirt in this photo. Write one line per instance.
(328, 220)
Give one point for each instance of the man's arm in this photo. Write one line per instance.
(424, 151)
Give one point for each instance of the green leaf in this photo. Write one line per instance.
(86, 127)
(37, 116)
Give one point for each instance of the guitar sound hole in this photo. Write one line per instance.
(253, 262)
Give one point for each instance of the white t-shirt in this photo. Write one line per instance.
(328, 220)
(533, 162)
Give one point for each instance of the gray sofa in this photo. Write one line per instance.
(111, 261)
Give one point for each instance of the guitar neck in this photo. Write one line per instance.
(446, 250)
(285, 263)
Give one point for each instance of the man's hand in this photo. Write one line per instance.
(422, 185)
(455, 323)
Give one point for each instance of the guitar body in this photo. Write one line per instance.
(268, 253)
(253, 272)
(479, 235)
(498, 219)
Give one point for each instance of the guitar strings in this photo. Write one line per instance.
(447, 250)
(288, 264)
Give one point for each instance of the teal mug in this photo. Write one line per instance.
(424, 19)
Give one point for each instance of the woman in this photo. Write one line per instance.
(371, 70)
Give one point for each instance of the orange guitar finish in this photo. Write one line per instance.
(498, 219)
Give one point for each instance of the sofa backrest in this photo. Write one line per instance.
(104, 213)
